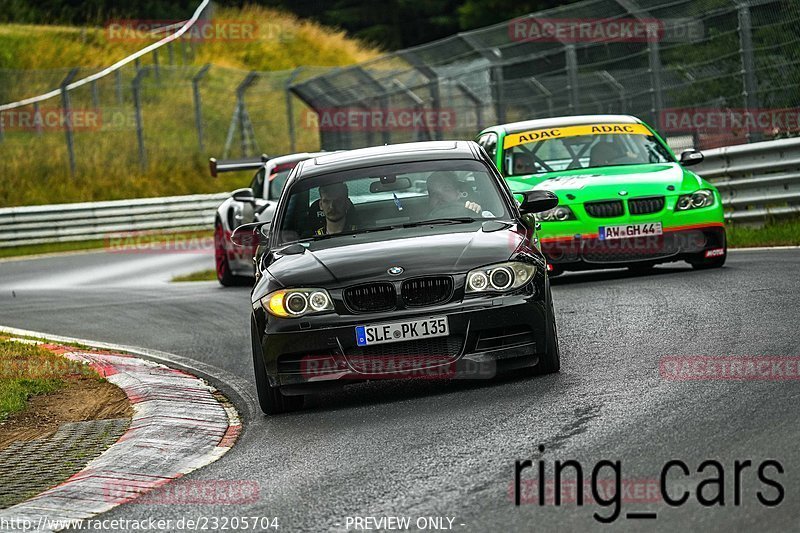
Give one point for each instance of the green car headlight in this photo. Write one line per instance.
(701, 198)
(557, 214)
(500, 277)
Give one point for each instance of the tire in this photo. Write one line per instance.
(703, 263)
(270, 399)
(550, 361)
(222, 265)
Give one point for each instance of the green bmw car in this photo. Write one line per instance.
(624, 199)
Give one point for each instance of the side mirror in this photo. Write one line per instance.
(251, 234)
(537, 201)
(691, 157)
(244, 195)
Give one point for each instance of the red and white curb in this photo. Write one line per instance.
(178, 426)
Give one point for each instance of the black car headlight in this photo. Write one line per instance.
(557, 214)
(294, 303)
(701, 198)
(500, 277)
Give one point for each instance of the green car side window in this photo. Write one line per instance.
(489, 143)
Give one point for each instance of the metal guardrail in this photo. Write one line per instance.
(96, 220)
(757, 180)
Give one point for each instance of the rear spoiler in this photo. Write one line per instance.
(231, 165)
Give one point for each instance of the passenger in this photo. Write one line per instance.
(446, 199)
(335, 204)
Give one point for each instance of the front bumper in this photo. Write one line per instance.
(485, 333)
(676, 243)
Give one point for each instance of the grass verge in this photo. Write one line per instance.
(107, 163)
(203, 275)
(773, 233)
(27, 370)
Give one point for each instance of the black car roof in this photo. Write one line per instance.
(578, 120)
(386, 155)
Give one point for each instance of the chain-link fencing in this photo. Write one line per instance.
(705, 73)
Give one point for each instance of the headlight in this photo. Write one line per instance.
(701, 198)
(294, 303)
(557, 214)
(500, 277)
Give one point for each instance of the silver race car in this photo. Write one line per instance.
(256, 203)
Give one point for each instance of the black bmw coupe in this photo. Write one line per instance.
(402, 261)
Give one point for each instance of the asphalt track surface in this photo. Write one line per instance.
(421, 449)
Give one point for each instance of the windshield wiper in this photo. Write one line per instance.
(450, 220)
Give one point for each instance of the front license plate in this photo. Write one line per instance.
(402, 331)
(630, 230)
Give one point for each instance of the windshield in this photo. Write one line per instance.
(581, 147)
(374, 198)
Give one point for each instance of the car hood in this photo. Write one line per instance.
(419, 251)
(612, 182)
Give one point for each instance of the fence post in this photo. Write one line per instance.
(137, 104)
(499, 93)
(572, 77)
(95, 95)
(118, 85)
(245, 127)
(548, 95)
(749, 82)
(198, 113)
(37, 118)
(66, 109)
(476, 101)
(290, 107)
(156, 66)
(419, 106)
(618, 87)
(657, 100)
(2, 128)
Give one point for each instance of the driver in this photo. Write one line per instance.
(610, 153)
(446, 199)
(335, 204)
(523, 164)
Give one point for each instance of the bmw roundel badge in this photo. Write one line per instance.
(395, 270)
